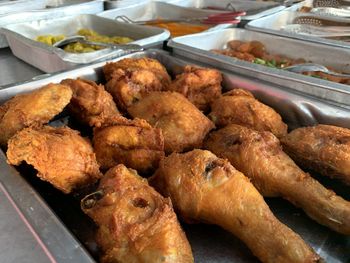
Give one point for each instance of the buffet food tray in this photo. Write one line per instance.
(154, 10)
(254, 9)
(9, 6)
(58, 8)
(296, 110)
(21, 38)
(338, 58)
(275, 23)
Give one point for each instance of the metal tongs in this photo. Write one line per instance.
(313, 67)
(82, 39)
(222, 18)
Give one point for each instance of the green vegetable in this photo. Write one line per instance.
(259, 61)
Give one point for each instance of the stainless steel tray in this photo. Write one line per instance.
(254, 9)
(154, 9)
(21, 38)
(296, 110)
(58, 8)
(275, 23)
(194, 47)
(9, 6)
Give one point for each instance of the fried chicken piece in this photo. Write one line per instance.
(136, 224)
(90, 103)
(201, 86)
(60, 155)
(134, 64)
(260, 157)
(322, 148)
(184, 126)
(206, 188)
(130, 79)
(239, 106)
(133, 143)
(128, 87)
(33, 108)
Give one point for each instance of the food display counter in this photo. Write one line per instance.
(146, 106)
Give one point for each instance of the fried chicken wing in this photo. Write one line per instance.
(34, 108)
(130, 79)
(239, 106)
(206, 188)
(184, 126)
(136, 224)
(260, 157)
(201, 86)
(90, 103)
(323, 148)
(60, 155)
(133, 143)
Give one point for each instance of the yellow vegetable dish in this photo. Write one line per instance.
(80, 47)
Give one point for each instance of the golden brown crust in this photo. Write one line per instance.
(323, 148)
(133, 143)
(136, 224)
(34, 108)
(259, 156)
(205, 188)
(60, 155)
(240, 107)
(90, 103)
(184, 126)
(201, 86)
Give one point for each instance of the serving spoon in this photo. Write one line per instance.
(311, 67)
(82, 39)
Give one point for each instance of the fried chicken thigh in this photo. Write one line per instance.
(131, 79)
(136, 224)
(184, 126)
(134, 143)
(239, 106)
(260, 157)
(33, 108)
(323, 148)
(60, 155)
(90, 103)
(208, 189)
(201, 86)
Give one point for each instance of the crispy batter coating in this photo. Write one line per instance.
(205, 188)
(128, 87)
(34, 108)
(184, 126)
(201, 86)
(60, 155)
(323, 148)
(136, 224)
(133, 143)
(239, 106)
(90, 103)
(260, 157)
(130, 79)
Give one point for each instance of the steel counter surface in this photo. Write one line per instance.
(13, 69)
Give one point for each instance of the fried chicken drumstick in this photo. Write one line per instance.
(322, 148)
(183, 125)
(206, 188)
(201, 86)
(60, 155)
(33, 108)
(136, 224)
(239, 106)
(260, 157)
(134, 143)
(91, 103)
